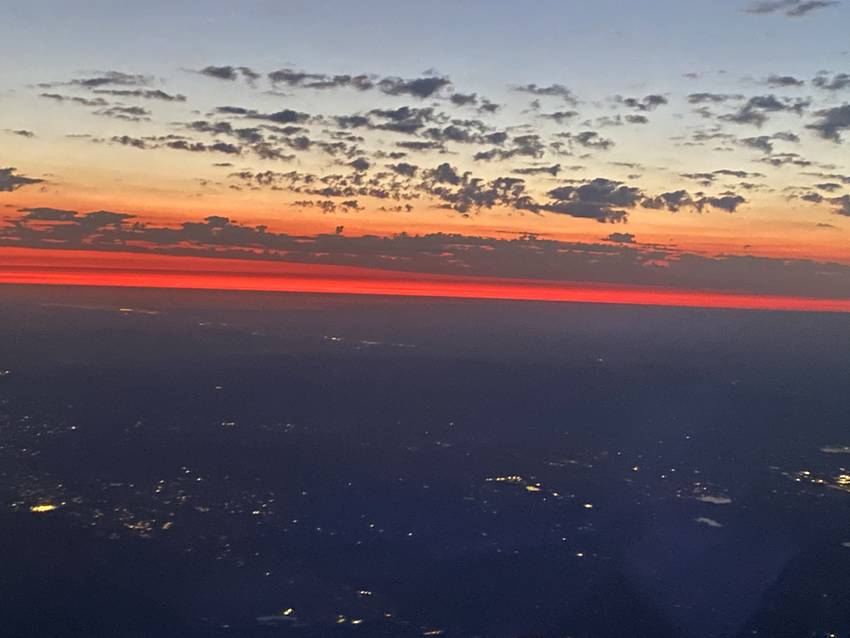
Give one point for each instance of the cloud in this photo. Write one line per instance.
(706, 179)
(89, 221)
(147, 94)
(129, 113)
(530, 145)
(57, 97)
(11, 181)
(230, 73)
(524, 256)
(21, 132)
(560, 117)
(109, 78)
(755, 110)
(587, 139)
(790, 8)
(552, 170)
(200, 147)
(842, 205)
(403, 168)
(621, 238)
(832, 122)
(674, 201)
(648, 103)
(782, 81)
(418, 87)
(552, 90)
(837, 82)
(319, 81)
(713, 98)
(601, 199)
(727, 201)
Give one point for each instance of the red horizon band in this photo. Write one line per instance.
(138, 270)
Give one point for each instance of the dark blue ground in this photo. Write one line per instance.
(220, 458)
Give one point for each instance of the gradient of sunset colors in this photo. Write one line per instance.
(656, 153)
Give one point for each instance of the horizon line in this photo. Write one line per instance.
(26, 266)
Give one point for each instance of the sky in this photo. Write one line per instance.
(694, 147)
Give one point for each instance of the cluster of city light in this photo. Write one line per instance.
(43, 507)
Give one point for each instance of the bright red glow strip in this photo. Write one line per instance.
(91, 268)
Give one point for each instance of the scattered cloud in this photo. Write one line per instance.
(832, 122)
(10, 180)
(789, 8)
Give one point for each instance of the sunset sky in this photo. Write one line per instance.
(687, 147)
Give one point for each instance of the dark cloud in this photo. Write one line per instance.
(552, 90)
(418, 87)
(829, 187)
(621, 238)
(403, 168)
(706, 179)
(790, 8)
(201, 147)
(647, 103)
(422, 87)
(320, 81)
(836, 82)
(785, 159)
(21, 132)
(48, 214)
(129, 113)
(727, 201)
(832, 122)
(842, 205)
(713, 98)
(10, 180)
(56, 97)
(552, 170)
(782, 81)
(404, 119)
(672, 201)
(755, 110)
(601, 199)
(147, 94)
(229, 72)
(360, 164)
(838, 177)
(559, 116)
(591, 140)
(763, 143)
(126, 140)
(530, 145)
(107, 78)
(330, 206)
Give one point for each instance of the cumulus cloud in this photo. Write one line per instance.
(832, 122)
(601, 199)
(836, 82)
(755, 110)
